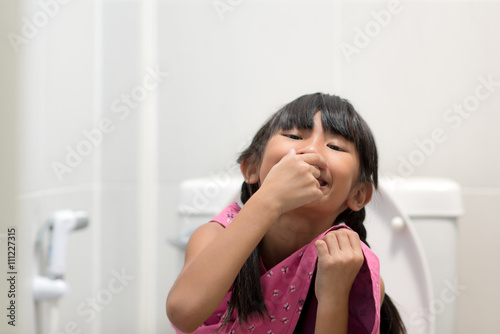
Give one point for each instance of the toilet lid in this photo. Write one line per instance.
(403, 265)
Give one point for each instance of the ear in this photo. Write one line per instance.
(360, 195)
(250, 171)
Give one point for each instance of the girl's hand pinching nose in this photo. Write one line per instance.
(293, 181)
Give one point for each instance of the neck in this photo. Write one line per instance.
(291, 232)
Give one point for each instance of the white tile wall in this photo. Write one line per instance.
(120, 252)
(239, 69)
(121, 73)
(64, 106)
(408, 78)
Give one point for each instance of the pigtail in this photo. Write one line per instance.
(248, 190)
(247, 297)
(354, 220)
(390, 320)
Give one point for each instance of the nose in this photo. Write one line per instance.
(308, 150)
(313, 147)
(309, 146)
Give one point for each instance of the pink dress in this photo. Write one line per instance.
(286, 286)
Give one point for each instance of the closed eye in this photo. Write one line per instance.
(294, 137)
(335, 148)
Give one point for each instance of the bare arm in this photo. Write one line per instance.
(215, 255)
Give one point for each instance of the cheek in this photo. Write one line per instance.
(268, 162)
(345, 171)
(272, 155)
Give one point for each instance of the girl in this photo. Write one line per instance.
(291, 256)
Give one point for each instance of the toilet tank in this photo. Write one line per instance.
(434, 206)
(200, 199)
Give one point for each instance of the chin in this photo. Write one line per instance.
(316, 209)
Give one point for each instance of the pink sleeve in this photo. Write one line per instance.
(226, 216)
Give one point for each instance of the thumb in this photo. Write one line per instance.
(321, 248)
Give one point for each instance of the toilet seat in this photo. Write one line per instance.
(403, 265)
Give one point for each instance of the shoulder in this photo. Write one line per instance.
(200, 238)
(207, 232)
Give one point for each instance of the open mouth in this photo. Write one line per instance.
(322, 183)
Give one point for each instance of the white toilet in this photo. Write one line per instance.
(411, 225)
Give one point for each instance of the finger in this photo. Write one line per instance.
(290, 155)
(355, 241)
(314, 159)
(331, 241)
(321, 248)
(343, 239)
(315, 172)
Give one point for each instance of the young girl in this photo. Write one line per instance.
(291, 256)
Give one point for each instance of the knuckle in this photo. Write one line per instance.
(359, 259)
(335, 232)
(302, 168)
(329, 236)
(349, 257)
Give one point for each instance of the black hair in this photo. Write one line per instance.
(339, 117)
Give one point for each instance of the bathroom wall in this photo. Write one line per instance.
(118, 106)
(9, 69)
(80, 149)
